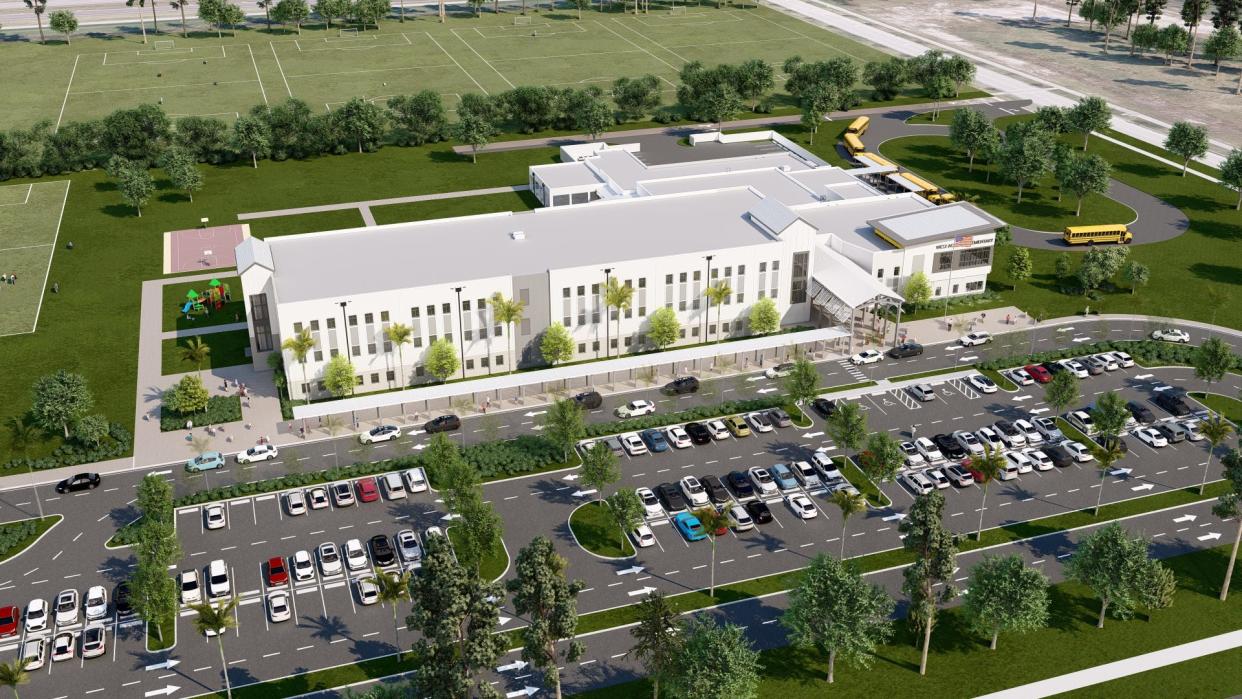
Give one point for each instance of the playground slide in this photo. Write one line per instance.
(186, 308)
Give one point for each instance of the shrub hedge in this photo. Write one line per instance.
(1145, 352)
(701, 412)
(220, 409)
(118, 443)
(16, 533)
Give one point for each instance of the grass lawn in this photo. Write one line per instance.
(41, 526)
(1230, 408)
(598, 533)
(168, 629)
(1000, 380)
(1200, 678)
(944, 118)
(860, 480)
(227, 349)
(933, 372)
(174, 298)
(823, 144)
(457, 206)
(494, 564)
(306, 223)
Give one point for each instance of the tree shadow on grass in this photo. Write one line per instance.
(1220, 274)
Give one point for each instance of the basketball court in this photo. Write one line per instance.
(202, 249)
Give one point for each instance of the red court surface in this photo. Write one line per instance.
(201, 249)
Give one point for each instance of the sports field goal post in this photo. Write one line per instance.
(522, 21)
(163, 44)
(351, 33)
(677, 11)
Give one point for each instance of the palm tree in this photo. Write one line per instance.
(399, 335)
(141, 23)
(299, 346)
(217, 618)
(1105, 457)
(180, 5)
(718, 293)
(620, 297)
(393, 588)
(712, 520)
(849, 504)
(195, 351)
(267, 10)
(21, 434)
(1215, 430)
(989, 467)
(13, 674)
(509, 312)
(39, 7)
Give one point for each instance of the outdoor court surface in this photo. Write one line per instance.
(205, 76)
(201, 249)
(29, 221)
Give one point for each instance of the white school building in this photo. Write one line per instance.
(779, 223)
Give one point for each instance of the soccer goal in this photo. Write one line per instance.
(351, 33)
(677, 11)
(522, 20)
(163, 44)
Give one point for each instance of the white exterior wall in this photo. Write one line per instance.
(922, 259)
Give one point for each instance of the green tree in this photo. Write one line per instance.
(508, 312)
(1110, 416)
(636, 97)
(153, 594)
(1120, 572)
(918, 290)
(1064, 266)
(802, 384)
(1062, 391)
(155, 499)
(363, 122)
(663, 327)
(419, 118)
(599, 465)
(180, 5)
(847, 426)
(1229, 506)
(542, 594)
(764, 318)
(1054, 120)
(850, 504)
(626, 510)
(717, 294)
(713, 520)
(182, 171)
(441, 360)
(475, 131)
(216, 619)
(399, 335)
(881, 457)
(835, 612)
(232, 15)
(38, 7)
(293, 12)
(59, 400)
(618, 298)
(211, 12)
(1188, 141)
(1027, 154)
(1006, 595)
(481, 531)
(136, 186)
(330, 9)
(14, 673)
(1019, 267)
(300, 345)
(657, 641)
(556, 345)
(455, 479)
(1105, 457)
(339, 376)
(251, 135)
(564, 426)
(1088, 174)
(394, 588)
(969, 131)
(1215, 430)
(1090, 114)
(989, 466)
(1136, 274)
(816, 103)
(755, 79)
(1212, 360)
(187, 396)
(370, 11)
(195, 351)
(1172, 39)
(929, 580)
(1222, 45)
(715, 662)
(886, 78)
(65, 22)
(1231, 173)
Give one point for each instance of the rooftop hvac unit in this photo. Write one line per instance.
(518, 235)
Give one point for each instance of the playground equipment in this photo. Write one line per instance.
(212, 298)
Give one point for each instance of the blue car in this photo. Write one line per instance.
(689, 526)
(655, 439)
(784, 477)
(207, 461)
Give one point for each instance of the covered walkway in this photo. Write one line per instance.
(844, 293)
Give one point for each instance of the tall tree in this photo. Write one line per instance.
(755, 79)
(1019, 267)
(1231, 169)
(599, 466)
(60, 400)
(663, 327)
(837, 613)
(1192, 14)
(1215, 430)
(657, 641)
(1027, 154)
(556, 345)
(849, 504)
(802, 384)
(713, 521)
(399, 335)
(543, 594)
(1062, 391)
(1090, 114)
(717, 294)
(1222, 45)
(475, 131)
(1230, 505)
(1120, 572)
(441, 360)
(339, 376)
(331, 9)
(1110, 417)
(626, 510)
(38, 7)
(716, 662)
(1088, 174)
(180, 6)
(969, 131)
(636, 97)
(363, 121)
(1187, 140)
(816, 104)
(1136, 274)
(886, 78)
(881, 457)
(136, 186)
(764, 318)
(179, 165)
(1105, 457)
(1153, 9)
(481, 531)
(292, 12)
(394, 587)
(217, 619)
(252, 136)
(929, 580)
(563, 425)
(1212, 360)
(989, 466)
(618, 299)
(65, 22)
(847, 426)
(508, 312)
(1006, 595)
(300, 345)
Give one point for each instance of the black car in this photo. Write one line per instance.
(950, 447)
(82, 481)
(824, 407)
(698, 433)
(1054, 368)
(1172, 403)
(906, 350)
(740, 484)
(1060, 457)
(1141, 412)
(1103, 443)
(671, 495)
(759, 512)
(589, 400)
(685, 384)
(715, 489)
(381, 550)
(120, 598)
(444, 423)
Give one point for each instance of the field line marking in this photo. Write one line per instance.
(163, 87)
(23, 202)
(27, 247)
(481, 58)
(631, 43)
(683, 58)
(67, 88)
(282, 70)
(454, 60)
(371, 70)
(407, 39)
(48, 271)
(805, 36)
(257, 77)
(566, 55)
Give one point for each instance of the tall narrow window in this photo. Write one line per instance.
(797, 283)
(262, 322)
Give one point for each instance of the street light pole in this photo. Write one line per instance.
(344, 329)
(707, 281)
(607, 310)
(461, 337)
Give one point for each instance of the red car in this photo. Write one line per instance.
(1038, 373)
(277, 574)
(974, 472)
(368, 491)
(10, 619)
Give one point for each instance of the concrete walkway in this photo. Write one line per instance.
(1122, 668)
(365, 206)
(205, 330)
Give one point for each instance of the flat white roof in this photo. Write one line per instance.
(772, 182)
(626, 170)
(575, 174)
(938, 223)
(850, 220)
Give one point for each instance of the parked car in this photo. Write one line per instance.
(784, 477)
(96, 603)
(277, 573)
(409, 548)
(207, 461)
(383, 433)
(1108, 361)
(63, 647)
(1151, 437)
(698, 433)
(969, 442)
(959, 475)
(1020, 376)
(759, 512)
(368, 591)
(1038, 458)
(1027, 428)
(355, 555)
(824, 407)
(695, 494)
(759, 422)
(740, 484)
(906, 350)
(806, 475)
(779, 371)
(367, 490)
(870, 356)
(329, 559)
(36, 615)
(1124, 360)
(922, 392)
(931, 453)
(1080, 453)
(742, 521)
(1192, 430)
(990, 438)
(689, 526)
(651, 504)
(918, 483)
(1173, 403)
(318, 497)
(681, 385)
(634, 445)
(214, 517)
(1061, 457)
(716, 490)
(1081, 420)
(1173, 432)
(218, 579)
(1076, 368)
(671, 496)
(914, 457)
(295, 503)
(1019, 461)
(655, 440)
(1048, 428)
(975, 339)
(779, 417)
(94, 641)
(443, 423)
(1170, 335)
(677, 436)
(66, 606)
(949, 447)
(303, 566)
(643, 536)
(342, 494)
(278, 608)
(382, 553)
(801, 506)
(737, 426)
(121, 599)
(718, 429)
(937, 477)
(34, 653)
(259, 452)
(981, 383)
(81, 481)
(589, 400)
(1038, 372)
(635, 408)
(1095, 365)
(762, 480)
(10, 621)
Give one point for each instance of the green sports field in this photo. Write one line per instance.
(30, 217)
(203, 75)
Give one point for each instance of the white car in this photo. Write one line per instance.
(342, 494)
(1125, 361)
(990, 438)
(318, 498)
(1170, 335)
(928, 449)
(1039, 459)
(694, 491)
(295, 503)
(717, 430)
(759, 422)
(302, 565)
(634, 445)
(355, 555)
(368, 591)
(96, 602)
(329, 559)
(1080, 453)
(1151, 437)
(1192, 430)
(36, 615)
(762, 480)
(917, 482)
(94, 641)
(866, 357)
(63, 647)
(651, 504)
(214, 517)
(409, 548)
(259, 452)
(643, 536)
(1009, 472)
(218, 579)
(278, 608)
(1108, 361)
(1020, 377)
(914, 459)
(432, 531)
(742, 520)
(383, 433)
(1075, 367)
(394, 488)
(1028, 430)
(191, 592)
(66, 608)
(1048, 428)
(1083, 421)
(779, 371)
(636, 408)
(938, 477)
(677, 437)
(969, 442)
(801, 506)
(975, 339)
(1019, 461)
(805, 475)
(415, 480)
(981, 383)
(34, 653)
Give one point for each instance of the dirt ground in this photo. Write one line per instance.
(1074, 57)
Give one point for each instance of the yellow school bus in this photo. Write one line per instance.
(1090, 235)
(853, 144)
(859, 126)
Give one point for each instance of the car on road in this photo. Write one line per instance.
(382, 552)
(824, 407)
(870, 356)
(66, 606)
(342, 494)
(94, 641)
(1081, 419)
(636, 408)
(759, 511)
(737, 426)
(914, 458)
(784, 477)
(969, 442)
(779, 371)
(10, 621)
(801, 506)
(318, 497)
(1151, 437)
(740, 484)
(1028, 430)
(1173, 432)
(759, 422)
(762, 480)
(906, 350)
(1020, 376)
(1075, 367)
(931, 453)
(1172, 403)
(1124, 360)
(949, 447)
(718, 429)
(443, 423)
(295, 503)
(302, 565)
(918, 483)
(218, 579)
(36, 615)
(959, 475)
(671, 496)
(278, 608)
(277, 573)
(368, 591)
(34, 653)
(634, 445)
(779, 417)
(329, 559)
(63, 647)
(937, 477)
(259, 452)
(1048, 428)
(355, 555)
(922, 392)
(415, 479)
(694, 491)
(678, 437)
(643, 536)
(96, 603)
(975, 339)
(1108, 361)
(207, 461)
(716, 490)
(367, 490)
(655, 440)
(742, 520)
(1038, 372)
(214, 517)
(1038, 458)
(698, 433)
(1019, 461)
(682, 385)
(689, 526)
(651, 504)
(981, 383)
(80, 481)
(409, 548)
(589, 400)
(383, 433)
(1170, 335)
(394, 487)
(806, 475)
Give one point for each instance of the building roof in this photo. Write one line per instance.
(575, 174)
(445, 251)
(850, 283)
(850, 219)
(253, 251)
(772, 182)
(625, 169)
(938, 223)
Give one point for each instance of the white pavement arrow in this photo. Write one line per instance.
(527, 691)
(450, 517)
(584, 493)
(515, 665)
(419, 447)
(1081, 339)
(414, 433)
(1209, 537)
(631, 571)
(1185, 518)
(760, 377)
(1022, 398)
(1144, 376)
(1037, 411)
(504, 620)
(1162, 388)
(895, 517)
(537, 428)
(809, 435)
(968, 358)
(570, 477)
(1145, 486)
(534, 413)
(641, 591)
(165, 691)
(767, 390)
(167, 664)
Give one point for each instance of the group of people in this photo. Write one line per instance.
(9, 279)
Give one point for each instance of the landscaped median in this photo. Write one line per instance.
(16, 537)
(929, 374)
(866, 486)
(1229, 408)
(595, 530)
(494, 564)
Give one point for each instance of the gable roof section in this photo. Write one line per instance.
(254, 251)
(773, 215)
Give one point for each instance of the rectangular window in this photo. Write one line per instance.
(798, 281)
(465, 306)
(565, 293)
(419, 372)
(468, 335)
(977, 257)
(358, 380)
(369, 319)
(694, 332)
(776, 278)
(525, 326)
(483, 362)
(524, 296)
(944, 261)
(469, 364)
(355, 348)
(446, 308)
(414, 312)
(262, 322)
(375, 378)
(392, 375)
(879, 273)
(418, 341)
(896, 271)
(581, 348)
(595, 346)
(974, 286)
(500, 360)
(314, 327)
